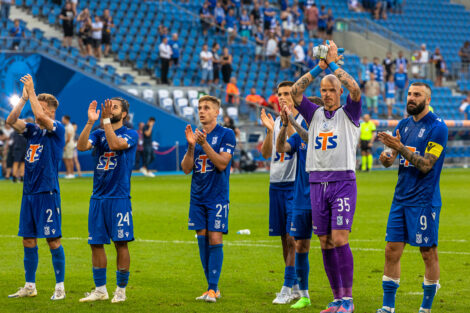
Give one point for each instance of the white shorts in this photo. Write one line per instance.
(390, 101)
(68, 152)
(299, 28)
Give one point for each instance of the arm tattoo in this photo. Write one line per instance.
(281, 140)
(423, 164)
(301, 85)
(300, 130)
(349, 83)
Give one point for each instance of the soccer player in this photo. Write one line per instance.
(209, 156)
(281, 191)
(110, 213)
(414, 216)
(331, 161)
(40, 215)
(368, 133)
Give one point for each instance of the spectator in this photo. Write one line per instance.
(401, 83)
(67, 15)
(378, 71)
(69, 147)
(7, 161)
(271, 47)
(399, 6)
(75, 151)
(96, 36)
(5, 9)
(401, 60)
(465, 106)
(439, 65)
(231, 27)
(106, 36)
(233, 93)
(237, 7)
(299, 27)
(17, 32)
(84, 32)
(219, 16)
(388, 63)
(285, 52)
(165, 57)
(322, 22)
(363, 72)
(310, 60)
(148, 148)
(255, 15)
(245, 26)
(206, 65)
(205, 17)
(464, 54)
(212, 5)
(268, 16)
(380, 10)
(226, 65)
(299, 57)
(19, 147)
(423, 61)
(139, 153)
(254, 100)
(259, 47)
(74, 6)
(273, 101)
(354, 5)
(309, 4)
(390, 96)
(287, 20)
(372, 91)
(330, 25)
(311, 19)
(229, 123)
(162, 31)
(216, 63)
(175, 49)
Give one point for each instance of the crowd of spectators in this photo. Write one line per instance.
(377, 8)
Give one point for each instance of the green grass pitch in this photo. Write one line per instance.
(166, 274)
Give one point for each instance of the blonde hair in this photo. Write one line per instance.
(51, 101)
(210, 99)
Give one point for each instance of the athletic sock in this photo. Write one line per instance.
(364, 163)
(58, 262)
(331, 264)
(346, 269)
(216, 258)
(30, 262)
(429, 291)
(122, 277)
(390, 287)
(370, 161)
(99, 276)
(302, 268)
(290, 277)
(203, 243)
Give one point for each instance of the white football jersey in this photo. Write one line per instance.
(331, 142)
(283, 165)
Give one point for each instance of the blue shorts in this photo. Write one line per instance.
(416, 226)
(281, 202)
(40, 216)
(110, 219)
(301, 225)
(213, 216)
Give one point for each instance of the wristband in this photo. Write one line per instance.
(333, 66)
(106, 121)
(316, 71)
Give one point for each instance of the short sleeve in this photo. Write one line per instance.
(228, 142)
(437, 140)
(29, 130)
(307, 109)
(373, 127)
(58, 130)
(131, 137)
(94, 137)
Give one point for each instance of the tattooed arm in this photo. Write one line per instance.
(423, 164)
(301, 85)
(300, 130)
(350, 84)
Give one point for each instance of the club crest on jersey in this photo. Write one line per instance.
(214, 140)
(33, 153)
(326, 141)
(203, 164)
(419, 238)
(107, 161)
(421, 132)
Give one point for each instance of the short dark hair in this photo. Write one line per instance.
(67, 117)
(421, 84)
(316, 100)
(286, 83)
(152, 119)
(124, 105)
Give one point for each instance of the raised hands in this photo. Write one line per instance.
(285, 112)
(267, 120)
(390, 141)
(190, 136)
(93, 114)
(27, 80)
(107, 109)
(200, 136)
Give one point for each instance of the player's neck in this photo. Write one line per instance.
(117, 125)
(294, 111)
(209, 127)
(418, 117)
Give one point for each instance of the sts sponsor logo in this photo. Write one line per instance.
(33, 153)
(107, 161)
(405, 162)
(203, 164)
(281, 157)
(326, 141)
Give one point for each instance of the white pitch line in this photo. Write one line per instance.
(247, 244)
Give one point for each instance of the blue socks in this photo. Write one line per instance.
(58, 261)
(30, 264)
(216, 257)
(99, 276)
(203, 243)
(390, 290)
(122, 277)
(302, 268)
(428, 295)
(290, 277)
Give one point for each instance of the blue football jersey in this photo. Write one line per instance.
(429, 135)
(208, 184)
(41, 166)
(302, 186)
(112, 174)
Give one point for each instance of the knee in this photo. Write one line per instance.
(29, 242)
(302, 246)
(96, 247)
(392, 254)
(326, 242)
(120, 245)
(429, 255)
(53, 243)
(215, 238)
